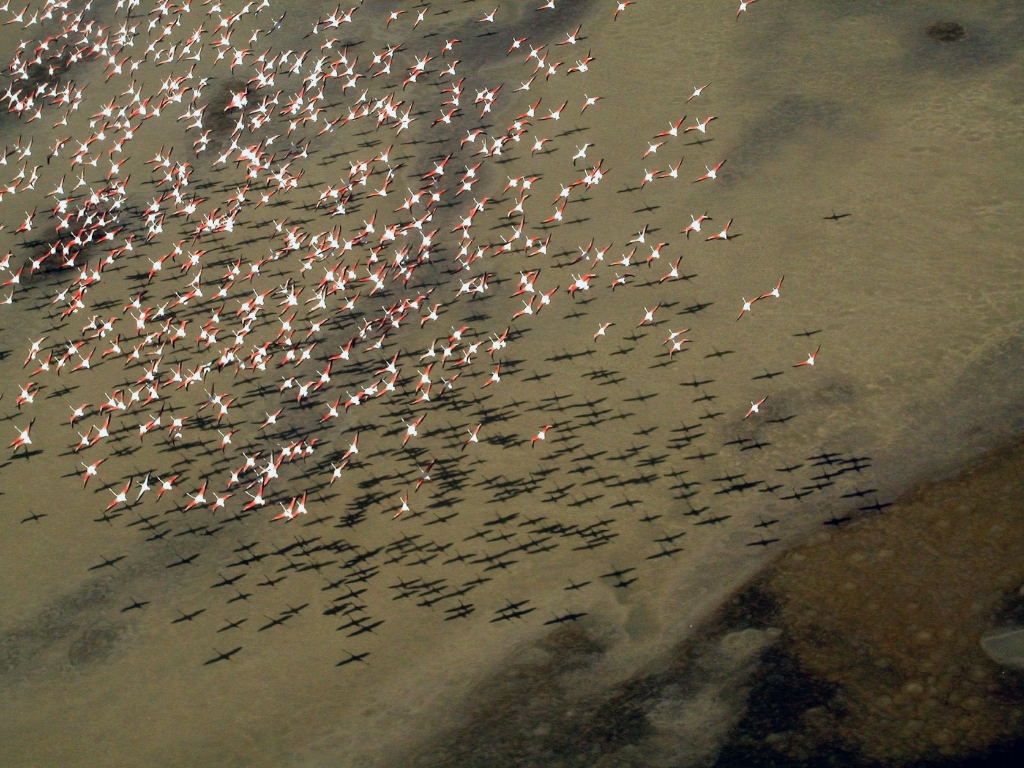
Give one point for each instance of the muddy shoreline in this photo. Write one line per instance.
(761, 652)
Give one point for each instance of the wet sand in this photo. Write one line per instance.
(918, 299)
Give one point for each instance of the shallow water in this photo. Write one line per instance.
(915, 298)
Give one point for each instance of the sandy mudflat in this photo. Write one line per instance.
(915, 298)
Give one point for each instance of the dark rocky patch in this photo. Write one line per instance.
(782, 695)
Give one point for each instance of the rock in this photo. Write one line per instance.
(1005, 646)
